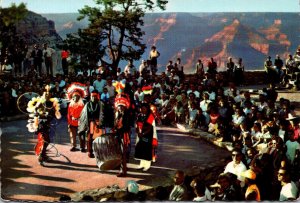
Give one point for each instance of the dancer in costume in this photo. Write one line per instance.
(75, 94)
(42, 111)
(146, 133)
(148, 99)
(122, 130)
(91, 120)
(122, 124)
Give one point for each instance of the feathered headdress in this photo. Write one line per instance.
(77, 88)
(123, 100)
(119, 85)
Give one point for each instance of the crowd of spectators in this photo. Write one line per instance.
(264, 131)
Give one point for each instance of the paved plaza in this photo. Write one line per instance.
(23, 178)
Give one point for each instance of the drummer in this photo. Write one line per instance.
(122, 130)
(91, 120)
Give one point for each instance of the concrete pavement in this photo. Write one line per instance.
(23, 178)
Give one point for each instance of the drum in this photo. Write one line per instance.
(107, 152)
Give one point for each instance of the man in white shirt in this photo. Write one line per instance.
(204, 105)
(236, 166)
(289, 190)
(138, 96)
(143, 67)
(129, 69)
(48, 53)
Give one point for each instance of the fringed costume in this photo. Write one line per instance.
(42, 111)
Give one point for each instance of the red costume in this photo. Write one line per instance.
(75, 93)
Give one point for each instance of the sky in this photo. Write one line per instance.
(72, 6)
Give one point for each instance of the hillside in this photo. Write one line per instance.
(35, 28)
(251, 36)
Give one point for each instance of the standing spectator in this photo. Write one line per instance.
(64, 61)
(179, 191)
(212, 67)
(143, 68)
(290, 64)
(129, 69)
(169, 68)
(199, 69)
(154, 54)
(18, 61)
(230, 68)
(48, 53)
(278, 63)
(28, 61)
(292, 146)
(297, 58)
(269, 69)
(239, 72)
(37, 55)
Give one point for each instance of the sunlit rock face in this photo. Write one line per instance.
(251, 36)
(38, 29)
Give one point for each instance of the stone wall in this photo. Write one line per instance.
(250, 77)
(160, 193)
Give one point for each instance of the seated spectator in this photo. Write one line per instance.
(236, 166)
(204, 105)
(193, 116)
(224, 190)
(289, 190)
(256, 134)
(179, 191)
(252, 191)
(179, 112)
(213, 117)
(104, 97)
(237, 119)
(250, 154)
(200, 190)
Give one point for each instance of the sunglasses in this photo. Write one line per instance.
(234, 154)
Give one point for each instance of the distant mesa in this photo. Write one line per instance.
(68, 25)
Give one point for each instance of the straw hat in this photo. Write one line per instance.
(249, 174)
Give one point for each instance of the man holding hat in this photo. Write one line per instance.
(252, 191)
